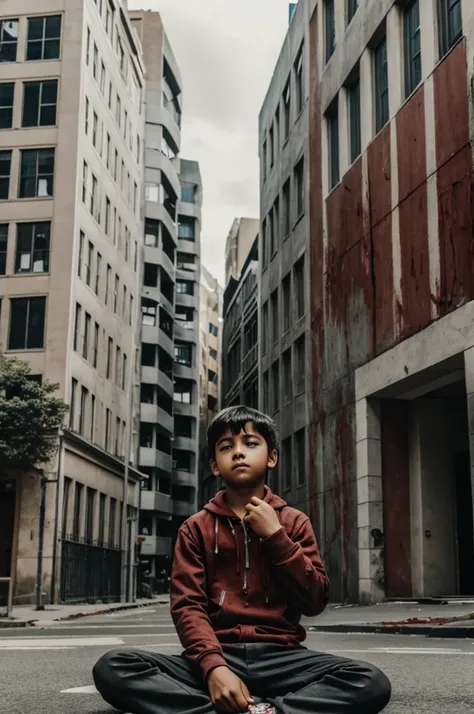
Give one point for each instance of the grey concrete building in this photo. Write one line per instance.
(238, 243)
(240, 336)
(71, 143)
(284, 320)
(210, 375)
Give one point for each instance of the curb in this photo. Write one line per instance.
(443, 631)
(11, 624)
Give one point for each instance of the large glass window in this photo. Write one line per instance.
(37, 173)
(183, 353)
(354, 119)
(39, 103)
(5, 166)
(27, 319)
(412, 46)
(44, 38)
(7, 95)
(381, 85)
(8, 40)
(330, 28)
(286, 110)
(3, 247)
(450, 24)
(333, 132)
(186, 228)
(299, 81)
(32, 247)
(188, 193)
(352, 6)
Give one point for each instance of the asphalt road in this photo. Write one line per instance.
(48, 671)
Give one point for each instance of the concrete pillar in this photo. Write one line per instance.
(369, 501)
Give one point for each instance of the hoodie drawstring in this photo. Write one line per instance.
(247, 555)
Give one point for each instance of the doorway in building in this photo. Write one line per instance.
(7, 526)
(464, 523)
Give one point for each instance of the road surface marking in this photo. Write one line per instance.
(80, 690)
(59, 643)
(110, 627)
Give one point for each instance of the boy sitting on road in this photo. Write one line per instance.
(245, 569)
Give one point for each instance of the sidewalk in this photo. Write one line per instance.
(27, 616)
(451, 618)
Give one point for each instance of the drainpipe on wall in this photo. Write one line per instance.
(56, 517)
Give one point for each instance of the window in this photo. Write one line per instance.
(90, 508)
(354, 120)
(39, 103)
(8, 40)
(188, 193)
(299, 82)
(87, 336)
(85, 181)
(183, 392)
(95, 346)
(94, 203)
(149, 312)
(300, 365)
(271, 143)
(300, 456)
(88, 46)
(275, 225)
(274, 310)
(264, 159)
(286, 287)
(298, 284)
(185, 287)
(265, 328)
(108, 424)
(213, 330)
(81, 253)
(83, 410)
(66, 497)
(88, 264)
(7, 95)
(183, 353)
(110, 347)
(108, 278)
(95, 65)
(286, 209)
(287, 377)
(212, 353)
(116, 293)
(287, 464)
(333, 134)
(112, 516)
(186, 228)
(118, 111)
(32, 247)
(27, 319)
(76, 524)
(124, 372)
(37, 173)
(3, 247)
(286, 110)
(77, 327)
(299, 186)
(44, 38)
(381, 85)
(107, 215)
(102, 500)
(275, 387)
(95, 124)
(352, 6)
(102, 78)
(412, 46)
(450, 24)
(118, 358)
(330, 28)
(72, 405)
(5, 166)
(117, 436)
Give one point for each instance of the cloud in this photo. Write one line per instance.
(226, 51)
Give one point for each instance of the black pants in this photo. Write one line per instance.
(296, 681)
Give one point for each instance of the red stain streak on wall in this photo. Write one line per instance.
(451, 92)
(411, 144)
(396, 498)
(344, 212)
(380, 176)
(455, 231)
(384, 294)
(415, 264)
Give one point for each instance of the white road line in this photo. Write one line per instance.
(69, 642)
(109, 627)
(80, 690)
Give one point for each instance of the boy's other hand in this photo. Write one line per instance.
(228, 693)
(261, 517)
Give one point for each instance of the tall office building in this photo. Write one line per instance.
(210, 357)
(71, 164)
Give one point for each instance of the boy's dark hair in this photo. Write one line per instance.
(236, 419)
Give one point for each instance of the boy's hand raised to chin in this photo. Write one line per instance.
(228, 693)
(261, 517)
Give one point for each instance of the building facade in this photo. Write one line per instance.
(71, 126)
(237, 246)
(390, 179)
(240, 336)
(210, 382)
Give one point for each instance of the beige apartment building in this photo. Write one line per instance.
(71, 166)
(210, 355)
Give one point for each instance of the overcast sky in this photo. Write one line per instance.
(226, 51)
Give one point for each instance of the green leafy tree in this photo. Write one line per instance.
(30, 417)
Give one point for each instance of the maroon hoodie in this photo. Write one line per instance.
(228, 585)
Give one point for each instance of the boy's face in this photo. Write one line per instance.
(244, 458)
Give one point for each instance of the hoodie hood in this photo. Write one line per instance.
(221, 511)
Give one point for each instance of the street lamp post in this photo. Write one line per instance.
(39, 570)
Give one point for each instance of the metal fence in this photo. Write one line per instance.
(90, 573)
